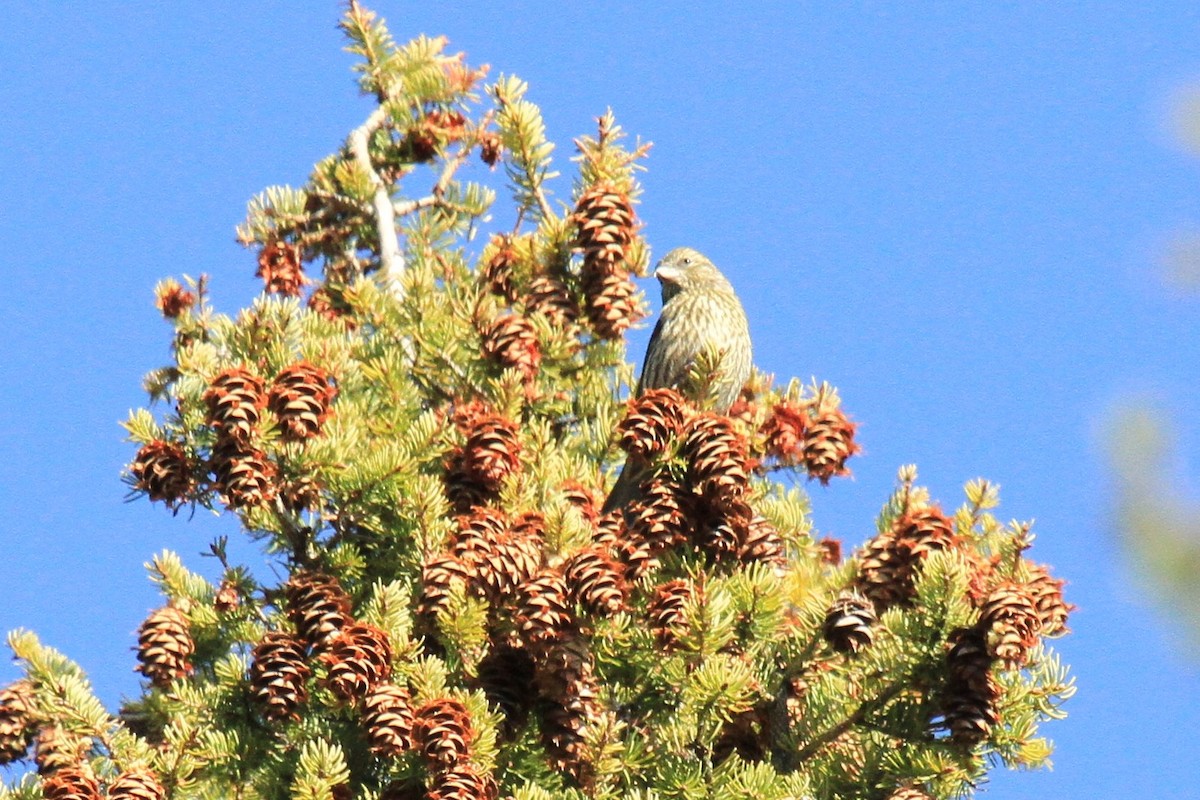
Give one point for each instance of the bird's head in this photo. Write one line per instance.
(683, 269)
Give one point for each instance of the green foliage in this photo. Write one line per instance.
(397, 384)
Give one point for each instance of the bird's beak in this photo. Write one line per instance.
(666, 274)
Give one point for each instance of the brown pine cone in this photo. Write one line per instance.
(281, 268)
(596, 581)
(443, 733)
(506, 678)
(829, 443)
(317, 605)
(1011, 618)
(666, 610)
(136, 784)
(388, 718)
(653, 420)
(605, 224)
(463, 781)
(551, 298)
(544, 610)
(71, 783)
(849, 622)
(163, 471)
(511, 342)
(235, 400)
(300, 398)
(358, 659)
(165, 646)
(244, 475)
(16, 723)
(278, 673)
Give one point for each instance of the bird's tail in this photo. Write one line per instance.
(625, 490)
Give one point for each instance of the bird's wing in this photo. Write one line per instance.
(670, 352)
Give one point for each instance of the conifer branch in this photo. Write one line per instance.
(390, 261)
(859, 714)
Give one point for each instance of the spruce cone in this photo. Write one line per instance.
(829, 443)
(784, 432)
(544, 610)
(16, 725)
(848, 623)
(300, 399)
(511, 342)
(611, 303)
(55, 749)
(723, 521)
(136, 784)
(443, 732)
(490, 148)
(551, 298)
(173, 299)
(235, 400)
(497, 271)
(281, 268)
(317, 606)
(71, 783)
(245, 477)
(606, 225)
(332, 307)
(164, 646)
(227, 598)
(515, 560)
(925, 530)
(968, 700)
(661, 518)
(438, 579)
(888, 564)
(388, 718)
(665, 611)
(715, 455)
(1047, 594)
(762, 543)
(359, 658)
(596, 581)
(163, 472)
(463, 781)
(278, 673)
(565, 723)
(479, 535)
(610, 528)
(506, 678)
(302, 493)
(491, 453)
(654, 419)
(1011, 619)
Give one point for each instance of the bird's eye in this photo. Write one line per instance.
(687, 262)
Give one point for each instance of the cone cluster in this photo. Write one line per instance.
(605, 227)
(299, 397)
(815, 434)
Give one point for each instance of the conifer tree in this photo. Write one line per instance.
(418, 419)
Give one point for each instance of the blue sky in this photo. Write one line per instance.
(954, 214)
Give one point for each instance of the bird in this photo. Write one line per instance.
(702, 320)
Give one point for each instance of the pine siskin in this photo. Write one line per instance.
(702, 321)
